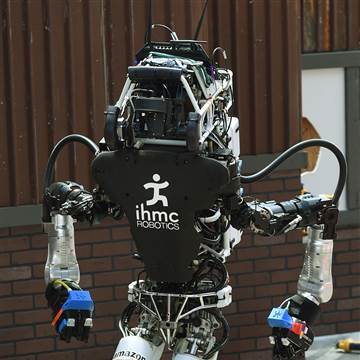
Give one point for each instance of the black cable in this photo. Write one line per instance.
(208, 228)
(49, 173)
(167, 90)
(163, 26)
(226, 331)
(198, 27)
(212, 136)
(149, 25)
(294, 149)
(228, 127)
(219, 48)
(127, 313)
(172, 32)
(138, 277)
(202, 272)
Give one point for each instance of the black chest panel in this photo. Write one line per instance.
(160, 192)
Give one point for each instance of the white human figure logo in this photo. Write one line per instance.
(156, 186)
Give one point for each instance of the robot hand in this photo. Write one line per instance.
(72, 309)
(69, 198)
(291, 333)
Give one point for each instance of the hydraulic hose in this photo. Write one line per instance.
(298, 147)
(49, 173)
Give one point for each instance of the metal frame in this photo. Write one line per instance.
(205, 109)
(352, 106)
(350, 61)
(325, 60)
(206, 301)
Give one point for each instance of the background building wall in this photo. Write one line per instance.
(330, 25)
(61, 63)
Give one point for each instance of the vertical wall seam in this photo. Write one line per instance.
(252, 110)
(108, 50)
(31, 126)
(268, 65)
(286, 77)
(104, 52)
(235, 67)
(48, 76)
(88, 70)
(70, 113)
(9, 117)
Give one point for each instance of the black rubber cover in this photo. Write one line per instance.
(303, 309)
(159, 105)
(193, 131)
(110, 131)
(194, 184)
(183, 48)
(154, 73)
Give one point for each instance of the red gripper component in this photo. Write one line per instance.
(298, 328)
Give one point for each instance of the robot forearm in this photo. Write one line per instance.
(66, 201)
(72, 307)
(291, 321)
(61, 261)
(272, 218)
(316, 277)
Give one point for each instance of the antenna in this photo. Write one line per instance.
(200, 21)
(149, 27)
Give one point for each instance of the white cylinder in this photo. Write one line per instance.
(137, 348)
(316, 277)
(61, 261)
(191, 357)
(185, 357)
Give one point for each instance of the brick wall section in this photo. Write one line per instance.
(264, 271)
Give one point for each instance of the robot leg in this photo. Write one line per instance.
(135, 347)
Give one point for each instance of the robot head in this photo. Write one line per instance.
(174, 96)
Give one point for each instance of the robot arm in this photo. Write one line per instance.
(292, 335)
(72, 307)
(65, 203)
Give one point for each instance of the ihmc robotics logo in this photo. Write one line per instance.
(151, 219)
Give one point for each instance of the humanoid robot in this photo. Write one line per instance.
(169, 161)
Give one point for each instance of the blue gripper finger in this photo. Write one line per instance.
(280, 318)
(78, 300)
